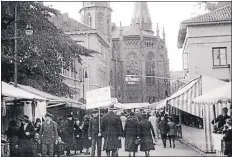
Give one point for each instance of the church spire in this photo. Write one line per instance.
(163, 35)
(141, 16)
(157, 30)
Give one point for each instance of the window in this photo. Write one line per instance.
(185, 61)
(89, 20)
(219, 56)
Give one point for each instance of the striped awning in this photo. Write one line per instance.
(182, 99)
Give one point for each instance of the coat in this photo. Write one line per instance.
(78, 137)
(131, 132)
(12, 134)
(49, 132)
(26, 143)
(163, 126)
(86, 142)
(171, 129)
(146, 143)
(221, 120)
(94, 127)
(228, 142)
(111, 127)
(68, 132)
(154, 122)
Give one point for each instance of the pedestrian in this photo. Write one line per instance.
(131, 134)
(154, 121)
(163, 127)
(123, 119)
(68, 134)
(59, 147)
(221, 119)
(49, 135)
(112, 132)
(94, 134)
(38, 145)
(86, 142)
(147, 136)
(138, 114)
(171, 131)
(26, 135)
(12, 135)
(78, 136)
(37, 125)
(228, 138)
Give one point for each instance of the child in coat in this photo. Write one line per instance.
(59, 147)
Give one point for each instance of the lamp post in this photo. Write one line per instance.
(28, 31)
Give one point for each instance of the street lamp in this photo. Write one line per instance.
(28, 31)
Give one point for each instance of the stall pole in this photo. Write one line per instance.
(99, 117)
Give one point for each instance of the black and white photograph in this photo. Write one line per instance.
(116, 78)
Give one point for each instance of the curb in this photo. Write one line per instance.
(200, 152)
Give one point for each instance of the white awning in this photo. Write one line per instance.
(222, 93)
(17, 93)
(159, 105)
(132, 105)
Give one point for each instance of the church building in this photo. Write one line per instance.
(139, 64)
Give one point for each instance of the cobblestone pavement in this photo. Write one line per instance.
(180, 150)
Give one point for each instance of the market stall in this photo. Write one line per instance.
(212, 104)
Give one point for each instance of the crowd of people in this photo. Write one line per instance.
(50, 138)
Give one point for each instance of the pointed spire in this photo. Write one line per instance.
(157, 30)
(141, 16)
(163, 34)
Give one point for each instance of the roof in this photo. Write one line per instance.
(14, 92)
(220, 15)
(222, 93)
(128, 31)
(67, 24)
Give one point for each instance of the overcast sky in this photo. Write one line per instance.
(167, 14)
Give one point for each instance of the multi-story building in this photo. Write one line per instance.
(206, 43)
(93, 33)
(139, 63)
(176, 80)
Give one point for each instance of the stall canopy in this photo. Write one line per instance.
(131, 105)
(222, 93)
(52, 99)
(17, 93)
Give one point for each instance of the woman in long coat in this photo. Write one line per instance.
(68, 134)
(78, 136)
(131, 134)
(86, 141)
(26, 134)
(146, 143)
(12, 134)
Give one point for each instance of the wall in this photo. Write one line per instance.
(199, 43)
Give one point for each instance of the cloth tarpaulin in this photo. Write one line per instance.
(41, 109)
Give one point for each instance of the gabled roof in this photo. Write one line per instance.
(221, 15)
(67, 24)
(218, 15)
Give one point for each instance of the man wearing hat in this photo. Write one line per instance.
(94, 134)
(49, 135)
(26, 134)
(112, 131)
(68, 133)
(221, 119)
(228, 138)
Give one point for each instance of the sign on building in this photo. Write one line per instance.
(132, 79)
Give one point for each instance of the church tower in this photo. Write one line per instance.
(141, 17)
(97, 15)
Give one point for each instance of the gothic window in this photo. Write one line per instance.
(90, 20)
(100, 17)
(132, 65)
(150, 69)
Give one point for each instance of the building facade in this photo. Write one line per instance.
(93, 72)
(176, 80)
(139, 60)
(206, 43)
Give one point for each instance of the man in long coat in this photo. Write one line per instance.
(163, 127)
(112, 131)
(68, 133)
(49, 135)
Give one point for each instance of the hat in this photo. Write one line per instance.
(38, 120)
(25, 118)
(48, 115)
(229, 121)
(70, 115)
(112, 108)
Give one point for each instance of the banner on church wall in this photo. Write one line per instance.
(132, 79)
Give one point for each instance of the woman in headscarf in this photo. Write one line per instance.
(26, 135)
(147, 139)
(131, 134)
(13, 138)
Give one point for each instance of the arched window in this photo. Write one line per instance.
(90, 20)
(150, 69)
